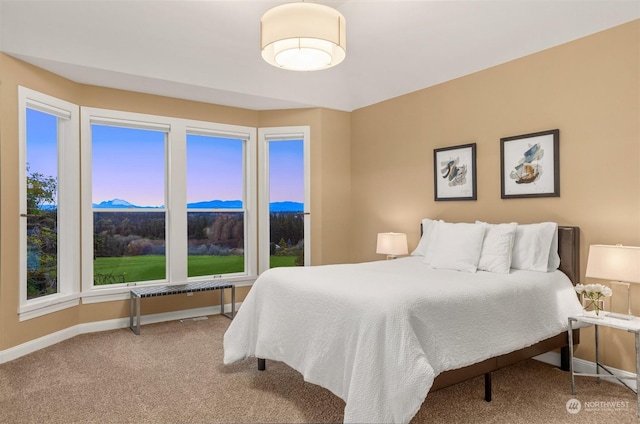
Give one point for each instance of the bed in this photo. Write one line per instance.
(381, 335)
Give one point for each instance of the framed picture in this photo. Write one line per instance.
(455, 172)
(530, 165)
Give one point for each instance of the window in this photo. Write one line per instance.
(215, 205)
(42, 203)
(165, 200)
(154, 200)
(128, 202)
(49, 187)
(285, 193)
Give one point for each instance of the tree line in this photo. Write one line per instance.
(42, 235)
(119, 234)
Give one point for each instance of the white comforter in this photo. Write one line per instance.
(377, 334)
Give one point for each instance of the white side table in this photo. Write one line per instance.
(632, 326)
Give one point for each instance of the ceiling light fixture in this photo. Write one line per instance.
(303, 37)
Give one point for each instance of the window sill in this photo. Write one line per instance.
(57, 302)
(111, 294)
(47, 305)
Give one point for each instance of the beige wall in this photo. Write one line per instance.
(589, 89)
(329, 233)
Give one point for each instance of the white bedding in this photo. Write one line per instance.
(376, 334)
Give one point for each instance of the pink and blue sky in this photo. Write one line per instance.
(129, 164)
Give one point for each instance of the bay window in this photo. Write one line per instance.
(49, 203)
(165, 200)
(112, 199)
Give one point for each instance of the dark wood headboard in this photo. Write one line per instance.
(568, 250)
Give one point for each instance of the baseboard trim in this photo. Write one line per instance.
(97, 326)
(584, 366)
(551, 358)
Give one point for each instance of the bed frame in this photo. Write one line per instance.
(569, 252)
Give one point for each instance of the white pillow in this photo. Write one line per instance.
(497, 247)
(457, 246)
(532, 245)
(554, 257)
(428, 233)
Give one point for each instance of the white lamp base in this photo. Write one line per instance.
(628, 316)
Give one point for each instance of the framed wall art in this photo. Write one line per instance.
(455, 172)
(530, 165)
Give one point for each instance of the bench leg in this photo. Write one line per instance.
(233, 303)
(222, 302)
(131, 311)
(134, 313)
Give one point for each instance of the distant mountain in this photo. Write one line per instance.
(286, 207)
(216, 204)
(210, 204)
(115, 203)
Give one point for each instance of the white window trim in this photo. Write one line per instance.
(68, 204)
(264, 136)
(250, 192)
(176, 202)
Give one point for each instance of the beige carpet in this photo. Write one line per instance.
(173, 373)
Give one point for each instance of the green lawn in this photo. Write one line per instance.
(150, 267)
(279, 261)
(134, 268)
(214, 265)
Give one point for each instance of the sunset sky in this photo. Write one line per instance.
(129, 164)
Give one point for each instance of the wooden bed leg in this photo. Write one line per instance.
(487, 387)
(262, 364)
(564, 358)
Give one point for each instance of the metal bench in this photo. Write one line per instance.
(138, 293)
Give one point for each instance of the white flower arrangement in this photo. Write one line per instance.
(594, 293)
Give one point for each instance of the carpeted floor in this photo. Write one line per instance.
(173, 373)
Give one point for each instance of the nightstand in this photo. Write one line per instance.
(632, 326)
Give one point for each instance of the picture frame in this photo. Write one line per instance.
(454, 173)
(530, 165)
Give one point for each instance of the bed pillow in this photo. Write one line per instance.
(532, 246)
(428, 233)
(497, 247)
(456, 246)
(554, 257)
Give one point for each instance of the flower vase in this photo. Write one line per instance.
(594, 306)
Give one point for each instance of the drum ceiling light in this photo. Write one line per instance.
(303, 37)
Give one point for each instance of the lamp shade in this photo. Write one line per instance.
(303, 36)
(392, 244)
(614, 263)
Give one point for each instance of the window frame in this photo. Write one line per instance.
(265, 136)
(120, 120)
(175, 197)
(249, 193)
(68, 188)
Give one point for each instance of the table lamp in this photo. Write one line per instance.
(392, 244)
(618, 264)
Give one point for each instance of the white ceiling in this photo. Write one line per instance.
(209, 50)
